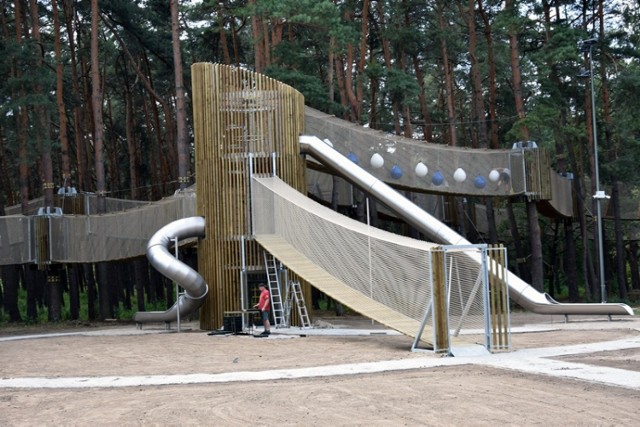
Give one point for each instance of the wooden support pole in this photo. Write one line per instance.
(440, 306)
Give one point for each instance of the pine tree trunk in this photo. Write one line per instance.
(258, 44)
(493, 116)
(330, 71)
(54, 287)
(587, 265)
(536, 262)
(62, 113)
(339, 71)
(448, 78)
(555, 263)
(11, 283)
(522, 267)
(477, 98)
(427, 128)
(90, 278)
(223, 35)
(634, 268)
(571, 262)
(181, 113)
(236, 47)
(132, 144)
(41, 129)
(386, 51)
(6, 190)
(74, 275)
(104, 294)
(79, 119)
(141, 278)
(427, 125)
(491, 221)
(621, 265)
(157, 285)
(22, 122)
(31, 284)
(127, 284)
(96, 105)
(362, 60)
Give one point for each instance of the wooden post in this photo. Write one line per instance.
(498, 299)
(440, 306)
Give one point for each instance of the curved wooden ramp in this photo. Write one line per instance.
(339, 290)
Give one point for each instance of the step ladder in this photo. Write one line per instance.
(273, 283)
(295, 294)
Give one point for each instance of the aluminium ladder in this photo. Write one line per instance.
(297, 296)
(273, 282)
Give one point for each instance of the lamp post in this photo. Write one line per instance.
(586, 46)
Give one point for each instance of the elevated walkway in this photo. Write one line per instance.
(381, 275)
(121, 233)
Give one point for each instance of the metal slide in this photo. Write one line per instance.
(192, 282)
(521, 292)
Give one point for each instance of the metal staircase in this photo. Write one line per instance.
(273, 282)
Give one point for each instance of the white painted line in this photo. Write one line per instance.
(275, 374)
(577, 371)
(530, 361)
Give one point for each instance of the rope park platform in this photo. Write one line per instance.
(241, 133)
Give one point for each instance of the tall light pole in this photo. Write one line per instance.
(586, 46)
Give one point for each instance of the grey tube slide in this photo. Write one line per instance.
(192, 282)
(521, 292)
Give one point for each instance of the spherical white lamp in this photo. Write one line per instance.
(421, 170)
(377, 161)
(459, 175)
(494, 175)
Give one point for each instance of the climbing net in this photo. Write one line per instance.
(392, 270)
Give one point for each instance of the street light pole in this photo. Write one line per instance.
(587, 46)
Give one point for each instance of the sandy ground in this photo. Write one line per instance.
(291, 379)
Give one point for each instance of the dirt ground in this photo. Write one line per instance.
(461, 394)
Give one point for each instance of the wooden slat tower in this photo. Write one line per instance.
(244, 123)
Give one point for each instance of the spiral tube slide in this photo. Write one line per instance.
(520, 291)
(159, 256)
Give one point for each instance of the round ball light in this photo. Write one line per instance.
(396, 172)
(479, 182)
(437, 178)
(494, 175)
(459, 175)
(377, 161)
(421, 170)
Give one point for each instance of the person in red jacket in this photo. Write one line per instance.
(264, 305)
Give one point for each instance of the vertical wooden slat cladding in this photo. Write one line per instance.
(241, 119)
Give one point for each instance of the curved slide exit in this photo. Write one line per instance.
(193, 283)
(520, 291)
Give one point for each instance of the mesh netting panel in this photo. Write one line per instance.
(88, 238)
(15, 235)
(401, 155)
(390, 269)
(86, 203)
(467, 289)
